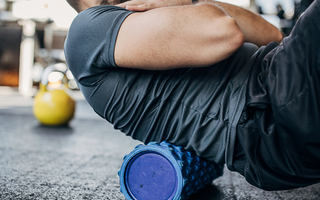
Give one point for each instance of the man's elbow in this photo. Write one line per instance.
(227, 38)
(278, 36)
(238, 38)
(235, 37)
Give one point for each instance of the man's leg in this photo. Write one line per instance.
(294, 87)
(285, 138)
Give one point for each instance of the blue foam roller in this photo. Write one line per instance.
(162, 171)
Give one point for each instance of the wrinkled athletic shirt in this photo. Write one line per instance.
(197, 108)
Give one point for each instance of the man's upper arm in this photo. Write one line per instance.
(175, 37)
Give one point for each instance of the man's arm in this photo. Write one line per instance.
(144, 5)
(176, 37)
(255, 29)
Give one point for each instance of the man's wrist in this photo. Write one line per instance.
(194, 1)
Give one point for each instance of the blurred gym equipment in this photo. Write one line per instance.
(53, 106)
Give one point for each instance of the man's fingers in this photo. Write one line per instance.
(144, 5)
(137, 8)
(141, 5)
(121, 5)
(132, 3)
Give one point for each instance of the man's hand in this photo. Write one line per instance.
(144, 5)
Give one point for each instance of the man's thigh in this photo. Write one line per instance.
(296, 60)
(293, 84)
(282, 145)
(293, 80)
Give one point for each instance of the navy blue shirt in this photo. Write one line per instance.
(197, 108)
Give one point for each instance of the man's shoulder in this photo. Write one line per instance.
(91, 39)
(94, 27)
(94, 15)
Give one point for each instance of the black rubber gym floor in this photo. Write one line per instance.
(81, 161)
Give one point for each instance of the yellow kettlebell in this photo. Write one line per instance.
(53, 107)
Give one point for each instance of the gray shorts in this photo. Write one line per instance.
(278, 135)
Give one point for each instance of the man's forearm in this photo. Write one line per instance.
(255, 29)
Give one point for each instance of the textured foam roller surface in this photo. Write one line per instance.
(162, 171)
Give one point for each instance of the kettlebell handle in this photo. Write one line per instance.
(48, 70)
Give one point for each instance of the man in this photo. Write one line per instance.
(182, 73)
